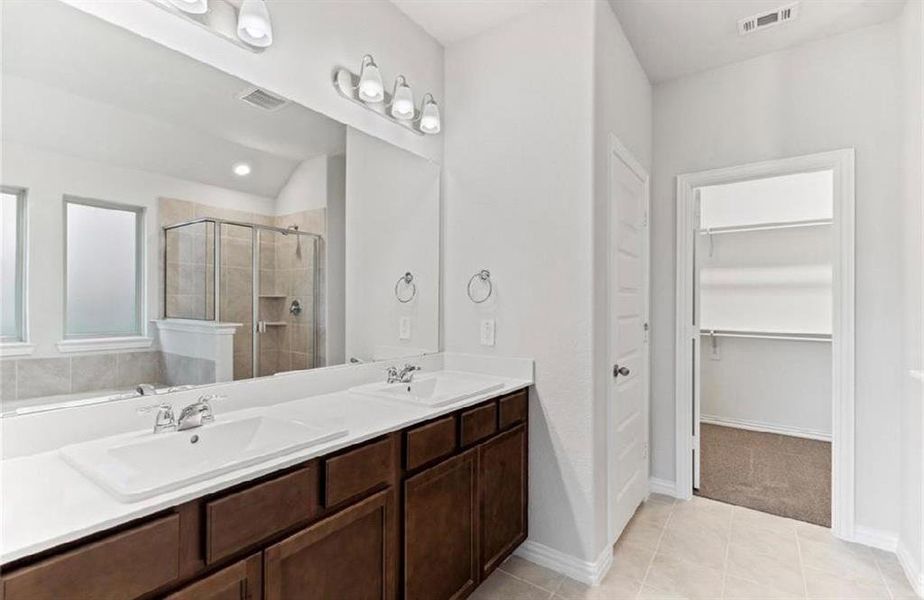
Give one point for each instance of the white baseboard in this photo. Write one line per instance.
(877, 538)
(584, 571)
(914, 573)
(662, 486)
(799, 432)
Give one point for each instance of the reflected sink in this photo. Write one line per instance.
(136, 466)
(438, 389)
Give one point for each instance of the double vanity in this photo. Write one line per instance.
(412, 489)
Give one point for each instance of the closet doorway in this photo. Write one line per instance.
(765, 337)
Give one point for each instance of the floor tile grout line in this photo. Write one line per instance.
(657, 546)
(795, 533)
(885, 582)
(530, 583)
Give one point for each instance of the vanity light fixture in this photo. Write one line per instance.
(402, 100)
(241, 169)
(429, 115)
(193, 7)
(366, 89)
(253, 24)
(371, 88)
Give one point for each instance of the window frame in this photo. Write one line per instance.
(22, 249)
(140, 213)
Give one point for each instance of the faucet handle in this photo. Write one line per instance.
(206, 401)
(160, 406)
(165, 420)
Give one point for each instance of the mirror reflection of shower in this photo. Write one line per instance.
(261, 276)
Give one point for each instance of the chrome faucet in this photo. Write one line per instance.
(197, 414)
(405, 375)
(164, 421)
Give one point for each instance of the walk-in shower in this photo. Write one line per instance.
(266, 278)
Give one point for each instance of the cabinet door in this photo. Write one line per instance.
(348, 555)
(440, 530)
(502, 465)
(241, 581)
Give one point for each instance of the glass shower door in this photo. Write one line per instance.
(236, 287)
(286, 301)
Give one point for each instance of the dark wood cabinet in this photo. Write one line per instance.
(424, 513)
(502, 471)
(241, 581)
(123, 565)
(348, 555)
(441, 530)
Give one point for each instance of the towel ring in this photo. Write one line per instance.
(408, 281)
(485, 277)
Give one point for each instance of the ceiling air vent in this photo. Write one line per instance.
(768, 19)
(262, 99)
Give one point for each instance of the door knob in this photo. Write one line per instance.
(617, 371)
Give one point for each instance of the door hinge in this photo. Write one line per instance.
(646, 328)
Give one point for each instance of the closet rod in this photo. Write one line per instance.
(765, 226)
(767, 335)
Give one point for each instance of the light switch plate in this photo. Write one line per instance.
(487, 332)
(404, 328)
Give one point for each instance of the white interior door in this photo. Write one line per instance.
(628, 339)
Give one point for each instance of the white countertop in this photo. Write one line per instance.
(45, 503)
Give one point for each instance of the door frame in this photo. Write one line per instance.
(841, 162)
(617, 150)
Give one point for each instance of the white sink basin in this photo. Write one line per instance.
(136, 466)
(438, 389)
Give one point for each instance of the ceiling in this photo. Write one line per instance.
(79, 86)
(450, 21)
(676, 37)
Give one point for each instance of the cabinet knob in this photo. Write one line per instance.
(617, 371)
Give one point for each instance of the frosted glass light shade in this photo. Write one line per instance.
(430, 117)
(253, 24)
(371, 88)
(195, 7)
(402, 104)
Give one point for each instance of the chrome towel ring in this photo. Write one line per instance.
(408, 280)
(484, 276)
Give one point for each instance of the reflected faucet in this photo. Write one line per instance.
(405, 375)
(145, 389)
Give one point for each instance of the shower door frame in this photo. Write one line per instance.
(255, 228)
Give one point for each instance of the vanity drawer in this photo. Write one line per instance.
(124, 565)
(243, 518)
(429, 442)
(512, 409)
(355, 472)
(478, 423)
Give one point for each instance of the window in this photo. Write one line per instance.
(12, 257)
(104, 272)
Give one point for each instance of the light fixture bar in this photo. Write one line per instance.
(347, 85)
(220, 20)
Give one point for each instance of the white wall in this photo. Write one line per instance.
(336, 260)
(392, 227)
(310, 39)
(520, 196)
(911, 537)
(837, 92)
(305, 189)
(48, 177)
(775, 384)
(622, 105)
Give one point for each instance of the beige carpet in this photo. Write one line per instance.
(777, 474)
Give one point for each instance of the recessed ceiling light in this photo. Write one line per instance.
(242, 169)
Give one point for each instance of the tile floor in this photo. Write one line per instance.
(703, 549)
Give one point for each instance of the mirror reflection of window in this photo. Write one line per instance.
(12, 206)
(103, 278)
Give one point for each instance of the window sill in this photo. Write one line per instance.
(109, 343)
(16, 349)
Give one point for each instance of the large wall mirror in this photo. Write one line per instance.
(165, 224)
